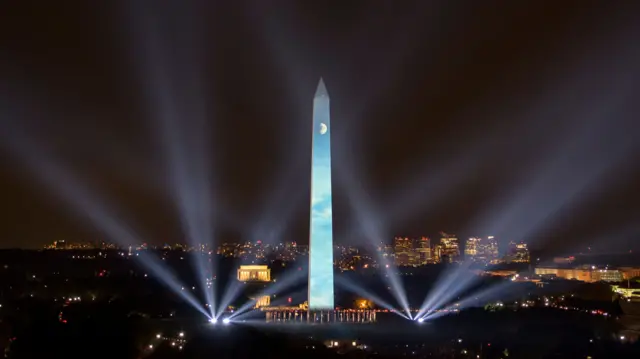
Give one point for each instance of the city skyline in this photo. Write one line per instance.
(507, 125)
(192, 178)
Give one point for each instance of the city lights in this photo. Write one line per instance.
(178, 183)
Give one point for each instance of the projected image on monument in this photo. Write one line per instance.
(321, 226)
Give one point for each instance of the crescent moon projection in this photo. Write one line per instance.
(323, 128)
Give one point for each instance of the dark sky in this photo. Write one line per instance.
(512, 118)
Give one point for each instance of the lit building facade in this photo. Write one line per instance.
(263, 301)
(471, 248)
(450, 251)
(436, 253)
(518, 253)
(321, 221)
(424, 251)
(254, 273)
(582, 273)
(629, 272)
(606, 275)
(484, 250)
(403, 249)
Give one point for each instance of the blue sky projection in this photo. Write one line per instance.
(321, 226)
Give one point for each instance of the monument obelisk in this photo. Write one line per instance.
(321, 221)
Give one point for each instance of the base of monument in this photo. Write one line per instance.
(350, 316)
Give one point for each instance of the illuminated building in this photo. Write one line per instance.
(402, 248)
(450, 251)
(424, 251)
(583, 273)
(254, 273)
(413, 258)
(490, 249)
(321, 221)
(606, 275)
(629, 272)
(437, 253)
(387, 250)
(518, 253)
(482, 250)
(471, 248)
(263, 301)
(580, 274)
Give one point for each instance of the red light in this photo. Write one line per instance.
(259, 242)
(64, 321)
(289, 300)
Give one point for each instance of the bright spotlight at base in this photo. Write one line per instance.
(213, 320)
(420, 320)
(226, 321)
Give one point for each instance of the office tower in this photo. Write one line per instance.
(321, 225)
(450, 248)
(486, 250)
(437, 253)
(518, 253)
(471, 248)
(402, 249)
(424, 250)
(491, 249)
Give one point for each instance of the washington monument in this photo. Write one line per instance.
(321, 222)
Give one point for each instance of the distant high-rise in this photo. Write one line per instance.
(321, 221)
(483, 250)
(450, 251)
(518, 252)
(403, 250)
(471, 248)
(424, 250)
(491, 249)
(487, 250)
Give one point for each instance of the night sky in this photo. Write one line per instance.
(513, 118)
